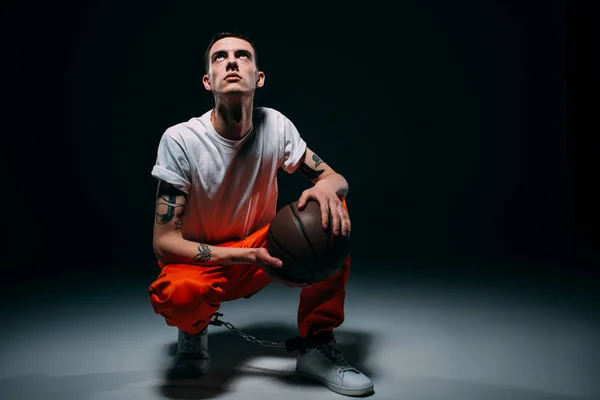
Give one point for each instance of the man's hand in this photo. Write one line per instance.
(262, 258)
(331, 205)
(270, 265)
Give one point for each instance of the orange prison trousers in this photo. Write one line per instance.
(188, 295)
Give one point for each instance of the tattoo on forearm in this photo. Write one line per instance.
(308, 171)
(171, 202)
(242, 260)
(317, 160)
(204, 253)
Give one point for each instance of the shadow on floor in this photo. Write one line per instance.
(229, 351)
(142, 385)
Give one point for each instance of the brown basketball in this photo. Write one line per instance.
(309, 252)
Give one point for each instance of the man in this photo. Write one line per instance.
(217, 195)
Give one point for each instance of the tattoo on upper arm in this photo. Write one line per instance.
(174, 210)
(204, 253)
(317, 160)
(308, 171)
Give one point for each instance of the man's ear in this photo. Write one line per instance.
(260, 81)
(206, 82)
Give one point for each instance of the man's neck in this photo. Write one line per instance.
(232, 120)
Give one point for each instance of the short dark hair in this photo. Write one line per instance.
(221, 35)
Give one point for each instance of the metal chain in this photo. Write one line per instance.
(217, 322)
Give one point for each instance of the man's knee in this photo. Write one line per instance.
(186, 294)
(198, 293)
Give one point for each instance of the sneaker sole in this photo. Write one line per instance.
(335, 388)
(184, 379)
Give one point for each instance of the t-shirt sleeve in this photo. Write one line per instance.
(172, 164)
(293, 147)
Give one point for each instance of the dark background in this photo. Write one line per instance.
(449, 120)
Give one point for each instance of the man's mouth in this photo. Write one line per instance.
(232, 77)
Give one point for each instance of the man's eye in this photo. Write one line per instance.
(218, 57)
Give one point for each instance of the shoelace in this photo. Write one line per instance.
(333, 354)
(190, 344)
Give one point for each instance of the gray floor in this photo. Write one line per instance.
(416, 340)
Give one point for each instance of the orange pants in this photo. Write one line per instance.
(188, 295)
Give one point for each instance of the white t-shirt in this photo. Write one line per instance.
(231, 185)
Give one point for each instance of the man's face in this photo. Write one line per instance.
(232, 69)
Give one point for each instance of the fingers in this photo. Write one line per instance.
(332, 211)
(267, 259)
(324, 213)
(276, 262)
(335, 217)
(345, 218)
(302, 201)
(340, 220)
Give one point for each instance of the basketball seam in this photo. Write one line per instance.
(299, 223)
(283, 249)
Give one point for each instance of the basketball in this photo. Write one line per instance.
(309, 252)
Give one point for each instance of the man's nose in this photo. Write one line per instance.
(231, 65)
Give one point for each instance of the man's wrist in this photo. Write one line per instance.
(335, 182)
(246, 257)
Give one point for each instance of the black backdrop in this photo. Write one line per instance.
(448, 120)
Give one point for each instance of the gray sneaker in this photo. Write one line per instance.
(325, 364)
(192, 359)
